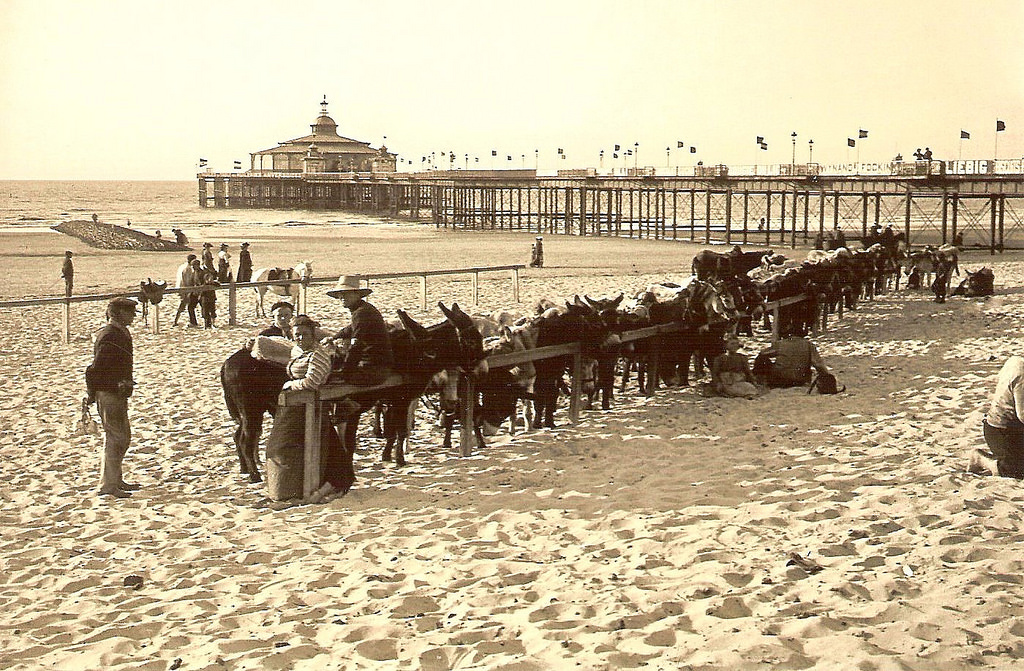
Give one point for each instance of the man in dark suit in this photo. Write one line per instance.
(368, 357)
(108, 382)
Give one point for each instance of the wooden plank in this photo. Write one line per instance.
(576, 391)
(311, 466)
(467, 398)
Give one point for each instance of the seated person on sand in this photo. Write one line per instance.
(730, 374)
(308, 368)
(789, 362)
(1003, 426)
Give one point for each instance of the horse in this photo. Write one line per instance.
(302, 271)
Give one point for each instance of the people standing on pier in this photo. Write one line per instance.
(67, 271)
(927, 155)
(109, 383)
(918, 156)
(186, 277)
(223, 264)
(208, 258)
(244, 264)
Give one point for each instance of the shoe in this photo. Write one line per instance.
(119, 493)
(130, 486)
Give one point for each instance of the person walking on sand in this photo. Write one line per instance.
(67, 271)
(244, 264)
(537, 253)
(1003, 426)
(186, 277)
(223, 264)
(208, 258)
(109, 384)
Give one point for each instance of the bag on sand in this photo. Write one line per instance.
(85, 425)
(825, 383)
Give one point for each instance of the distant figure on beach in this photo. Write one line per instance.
(95, 219)
(67, 271)
(186, 277)
(789, 362)
(158, 234)
(537, 253)
(958, 239)
(730, 372)
(819, 243)
(109, 383)
(1003, 426)
(128, 223)
(942, 267)
(179, 236)
(223, 264)
(208, 258)
(244, 264)
(760, 224)
(281, 312)
(208, 297)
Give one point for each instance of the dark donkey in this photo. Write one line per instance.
(579, 323)
(250, 387)
(420, 353)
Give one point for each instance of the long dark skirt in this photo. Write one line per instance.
(286, 454)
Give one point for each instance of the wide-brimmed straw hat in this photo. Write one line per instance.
(223, 245)
(348, 283)
(244, 244)
(207, 244)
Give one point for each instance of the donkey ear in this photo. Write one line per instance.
(445, 311)
(576, 300)
(415, 329)
(615, 303)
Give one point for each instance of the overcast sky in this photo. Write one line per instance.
(141, 90)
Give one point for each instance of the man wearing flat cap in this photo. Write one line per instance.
(108, 382)
(368, 358)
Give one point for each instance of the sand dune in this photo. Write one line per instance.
(678, 531)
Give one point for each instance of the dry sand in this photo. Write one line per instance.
(659, 534)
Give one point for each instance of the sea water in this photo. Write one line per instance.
(39, 205)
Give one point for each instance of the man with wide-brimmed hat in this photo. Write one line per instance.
(109, 383)
(368, 357)
(208, 258)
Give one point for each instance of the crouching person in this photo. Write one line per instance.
(1003, 426)
(789, 362)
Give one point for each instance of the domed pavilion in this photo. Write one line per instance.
(323, 150)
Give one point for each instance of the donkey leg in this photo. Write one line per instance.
(250, 444)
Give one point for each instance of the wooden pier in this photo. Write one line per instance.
(928, 206)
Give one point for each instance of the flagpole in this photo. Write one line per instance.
(960, 153)
(995, 150)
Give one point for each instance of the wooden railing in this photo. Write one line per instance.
(233, 287)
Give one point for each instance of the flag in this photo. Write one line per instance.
(617, 147)
(760, 140)
(563, 156)
(238, 164)
(510, 157)
(202, 163)
(850, 142)
(560, 151)
(862, 133)
(629, 152)
(964, 135)
(764, 146)
(679, 144)
(615, 155)
(1000, 125)
(693, 150)
(494, 152)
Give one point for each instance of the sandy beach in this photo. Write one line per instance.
(660, 534)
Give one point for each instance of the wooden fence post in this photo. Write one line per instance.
(423, 292)
(466, 401)
(156, 319)
(232, 304)
(311, 465)
(577, 383)
(515, 285)
(476, 288)
(65, 334)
